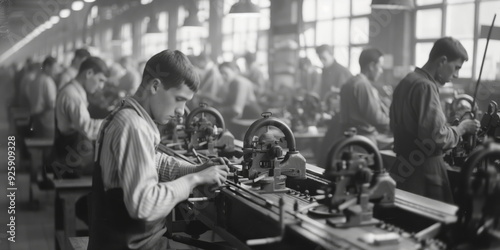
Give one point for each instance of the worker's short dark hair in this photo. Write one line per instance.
(322, 48)
(96, 64)
(173, 68)
(368, 56)
(48, 62)
(449, 47)
(82, 53)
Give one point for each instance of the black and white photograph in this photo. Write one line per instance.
(249, 124)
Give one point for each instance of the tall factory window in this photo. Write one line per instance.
(246, 34)
(153, 43)
(342, 24)
(192, 40)
(491, 69)
(461, 19)
(126, 36)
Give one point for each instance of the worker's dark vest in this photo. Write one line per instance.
(111, 226)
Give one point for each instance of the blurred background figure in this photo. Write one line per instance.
(131, 80)
(360, 104)
(27, 80)
(211, 89)
(255, 74)
(43, 91)
(71, 72)
(241, 103)
(310, 75)
(334, 75)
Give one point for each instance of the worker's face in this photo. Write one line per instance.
(326, 58)
(94, 82)
(167, 103)
(447, 70)
(376, 69)
(228, 74)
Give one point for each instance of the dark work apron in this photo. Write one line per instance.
(111, 226)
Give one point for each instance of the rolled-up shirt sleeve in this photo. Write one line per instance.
(169, 168)
(144, 196)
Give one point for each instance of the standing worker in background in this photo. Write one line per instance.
(421, 134)
(71, 72)
(334, 75)
(27, 80)
(42, 97)
(255, 74)
(211, 82)
(360, 105)
(135, 187)
(310, 75)
(130, 81)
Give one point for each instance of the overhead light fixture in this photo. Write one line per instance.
(153, 26)
(54, 19)
(89, 1)
(393, 4)
(64, 13)
(244, 7)
(144, 2)
(77, 5)
(192, 20)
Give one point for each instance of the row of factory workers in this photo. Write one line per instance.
(140, 187)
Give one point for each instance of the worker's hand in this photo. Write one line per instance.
(213, 175)
(468, 126)
(206, 165)
(217, 161)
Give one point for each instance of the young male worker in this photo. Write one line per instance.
(134, 187)
(75, 129)
(421, 134)
(360, 104)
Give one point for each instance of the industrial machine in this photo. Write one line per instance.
(206, 130)
(489, 131)
(277, 201)
(357, 181)
(459, 109)
(478, 224)
(363, 210)
(265, 162)
(172, 133)
(201, 133)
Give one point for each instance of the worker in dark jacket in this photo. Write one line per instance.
(334, 75)
(360, 104)
(421, 134)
